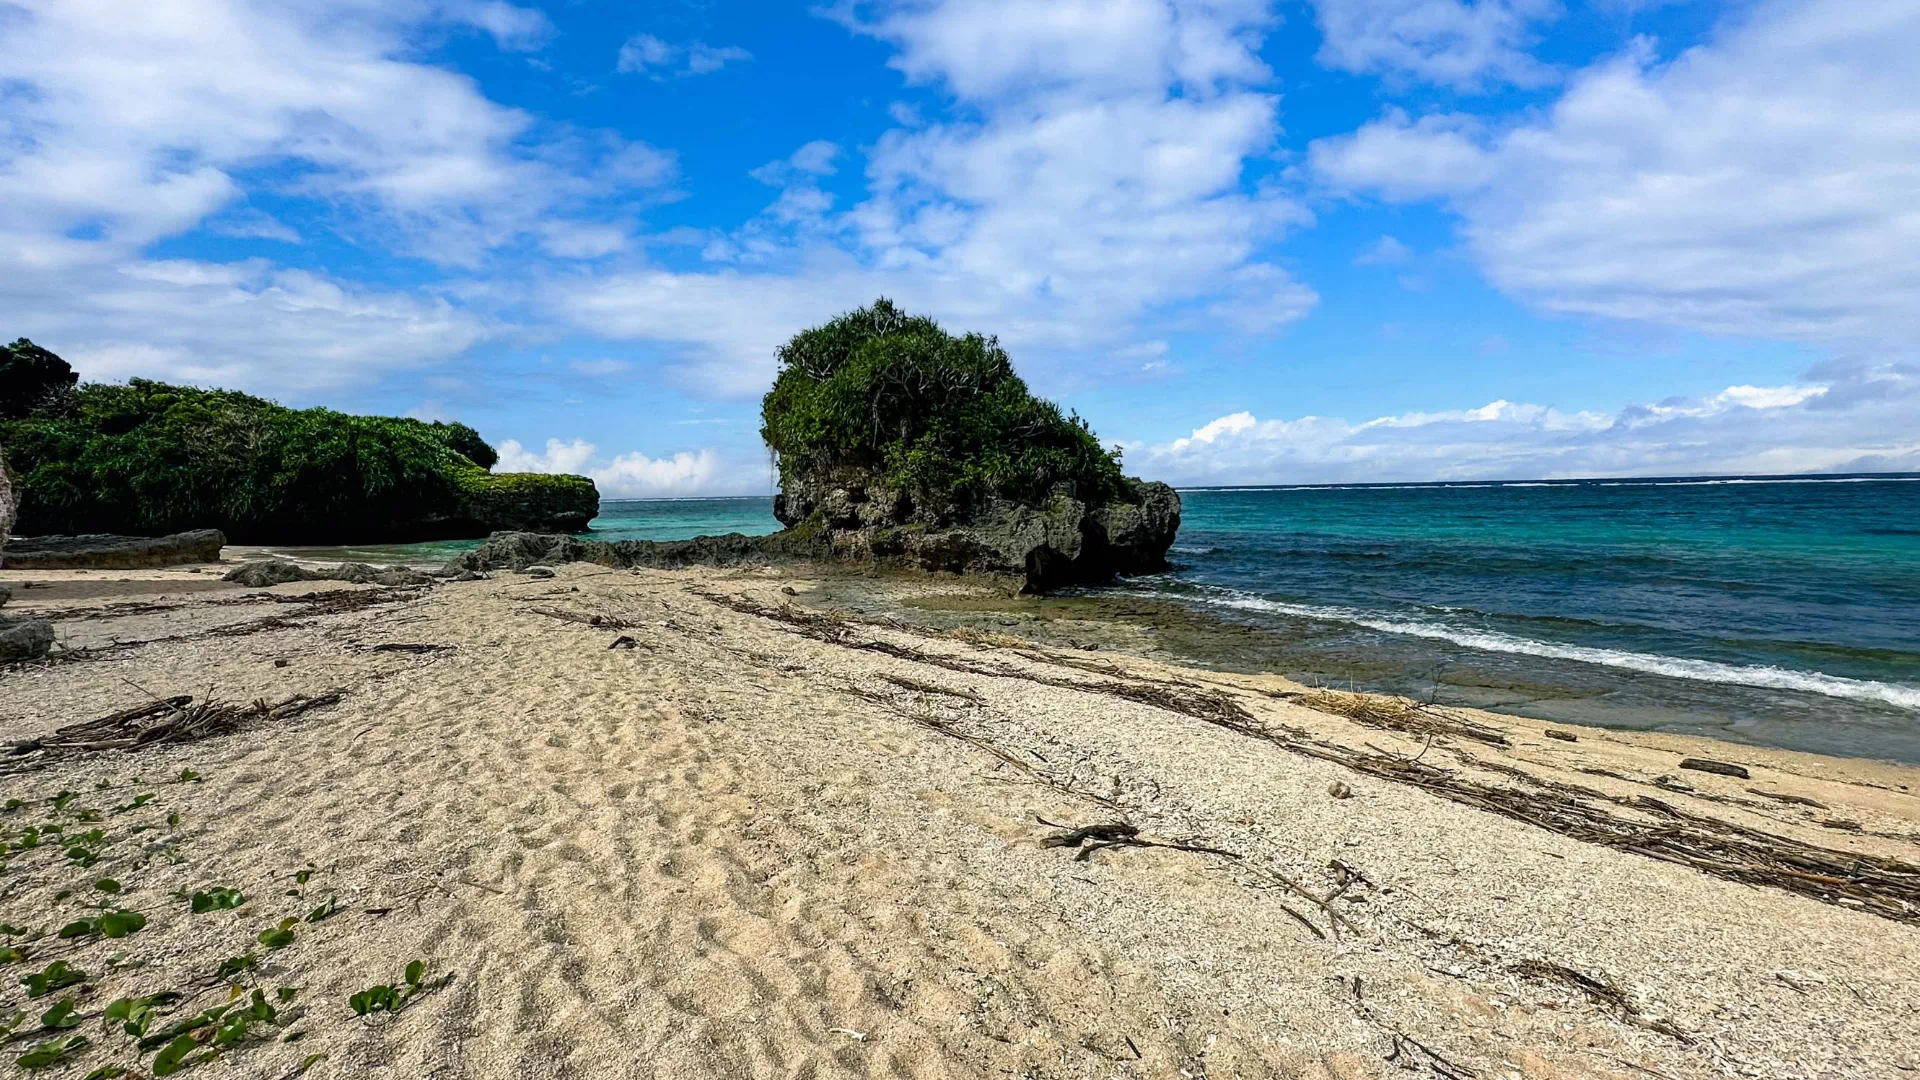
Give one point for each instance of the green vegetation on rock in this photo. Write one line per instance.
(148, 458)
(942, 420)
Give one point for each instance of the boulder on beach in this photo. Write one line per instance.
(24, 639)
(102, 551)
(265, 573)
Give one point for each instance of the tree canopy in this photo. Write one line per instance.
(942, 418)
(31, 378)
(149, 458)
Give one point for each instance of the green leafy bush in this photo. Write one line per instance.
(32, 378)
(943, 419)
(148, 458)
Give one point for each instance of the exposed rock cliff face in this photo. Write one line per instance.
(6, 507)
(1062, 541)
(106, 552)
(20, 639)
(492, 502)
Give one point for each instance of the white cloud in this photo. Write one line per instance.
(1857, 417)
(243, 325)
(127, 123)
(644, 54)
(994, 49)
(804, 165)
(600, 368)
(1092, 199)
(512, 27)
(1457, 43)
(644, 51)
(624, 476)
(1386, 251)
(249, 224)
(1404, 160)
(1761, 184)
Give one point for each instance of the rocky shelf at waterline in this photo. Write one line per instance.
(1062, 542)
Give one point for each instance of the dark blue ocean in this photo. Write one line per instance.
(1781, 611)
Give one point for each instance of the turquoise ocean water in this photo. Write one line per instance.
(1782, 611)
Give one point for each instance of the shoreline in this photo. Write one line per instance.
(1159, 627)
(761, 829)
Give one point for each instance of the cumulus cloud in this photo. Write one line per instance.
(1759, 185)
(1092, 198)
(129, 123)
(644, 54)
(1457, 43)
(1856, 417)
(623, 476)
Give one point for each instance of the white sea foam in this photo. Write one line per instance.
(1673, 667)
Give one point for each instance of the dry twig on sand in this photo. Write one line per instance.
(168, 720)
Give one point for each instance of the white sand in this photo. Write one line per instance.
(731, 851)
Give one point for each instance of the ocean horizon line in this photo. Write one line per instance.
(1395, 485)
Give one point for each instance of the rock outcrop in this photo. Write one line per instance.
(264, 573)
(521, 550)
(100, 551)
(24, 639)
(6, 507)
(507, 502)
(1063, 541)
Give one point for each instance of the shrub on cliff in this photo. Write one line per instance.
(943, 419)
(148, 458)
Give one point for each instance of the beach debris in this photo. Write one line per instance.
(1804, 982)
(856, 1036)
(1563, 736)
(1708, 765)
(1117, 834)
(537, 572)
(1642, 825)
(410, 647)
(1399, 714)
(623, 642)
(1794, 800)
(1599, 991)
(607, 622)
(1339, 790)
(281, 661)
(164, 720)
(788, 590)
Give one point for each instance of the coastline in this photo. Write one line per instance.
(765, 829)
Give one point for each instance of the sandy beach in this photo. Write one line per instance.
(698, 823)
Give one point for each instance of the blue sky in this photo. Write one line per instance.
(1252, 242)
